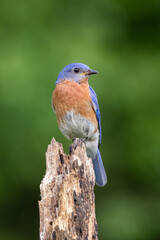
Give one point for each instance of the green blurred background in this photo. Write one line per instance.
(120, 39)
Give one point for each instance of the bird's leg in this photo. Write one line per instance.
(75, 143)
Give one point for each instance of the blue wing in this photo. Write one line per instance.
(97, 111)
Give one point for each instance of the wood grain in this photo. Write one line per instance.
(67, 205)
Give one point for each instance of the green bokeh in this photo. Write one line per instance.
(120, 39)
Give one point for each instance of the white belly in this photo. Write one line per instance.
(76, 126)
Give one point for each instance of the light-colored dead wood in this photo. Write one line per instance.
(67, 206)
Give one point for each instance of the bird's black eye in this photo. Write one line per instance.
(76, 70)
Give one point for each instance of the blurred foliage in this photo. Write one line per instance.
(120, 39)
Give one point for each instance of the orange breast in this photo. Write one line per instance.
(69, 96)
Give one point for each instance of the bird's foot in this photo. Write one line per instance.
(75, 143)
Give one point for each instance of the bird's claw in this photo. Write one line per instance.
(76, 142)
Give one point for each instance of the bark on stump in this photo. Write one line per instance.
(67, 206)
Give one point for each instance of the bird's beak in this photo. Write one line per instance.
(90, 72)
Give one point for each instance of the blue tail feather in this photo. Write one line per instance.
(100, 174)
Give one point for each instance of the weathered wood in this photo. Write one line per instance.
(67, 206)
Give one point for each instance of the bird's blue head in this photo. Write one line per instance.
(76, 72)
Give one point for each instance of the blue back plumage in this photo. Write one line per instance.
(97, 111)
(100, 174)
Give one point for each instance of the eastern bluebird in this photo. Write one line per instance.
(78, 114)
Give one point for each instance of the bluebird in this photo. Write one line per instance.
(78, 115)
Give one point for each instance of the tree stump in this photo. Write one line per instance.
(67, 205)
